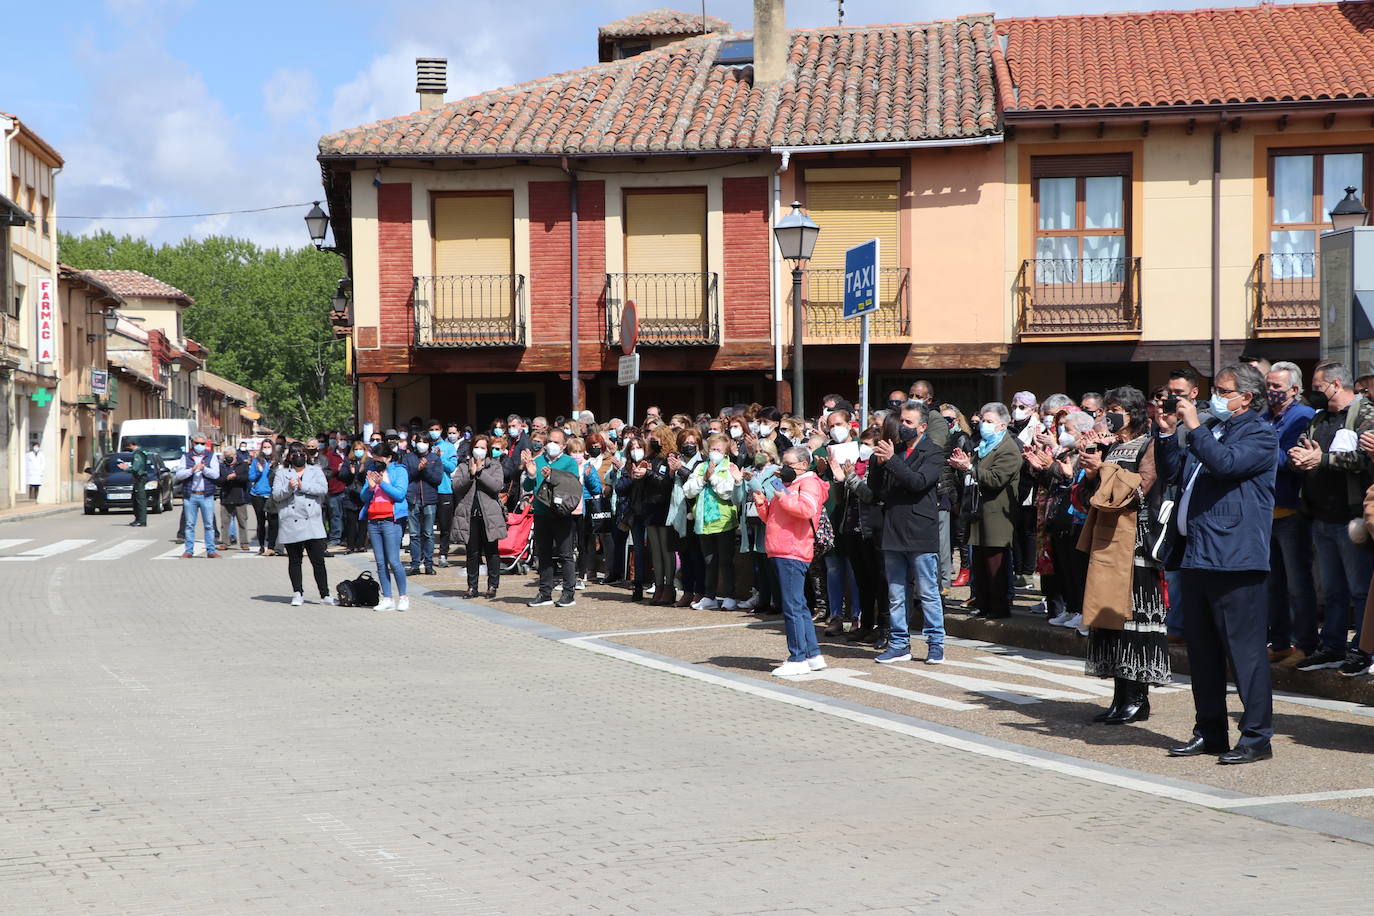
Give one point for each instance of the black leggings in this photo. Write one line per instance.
(315, 547)
(267, 524)
(479, 549)
(719, 552)
(586, 547)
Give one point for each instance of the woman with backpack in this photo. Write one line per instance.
(478, 519)
(387, 514)
(299, 491)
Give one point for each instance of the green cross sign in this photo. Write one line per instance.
(41, 397)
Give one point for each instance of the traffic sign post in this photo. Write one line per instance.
(628, 375)
(860, 301)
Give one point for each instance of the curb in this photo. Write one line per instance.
(40, 513)
(1030, 631)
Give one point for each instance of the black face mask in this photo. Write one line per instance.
(787, 473)
(908, 434)
(1115, 422)
(377, 466)
(689, 449)
(594, 451)
(1317, 401)
(654, 446)
(298, 460)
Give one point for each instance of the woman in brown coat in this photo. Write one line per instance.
(478, 519)
(995, 469)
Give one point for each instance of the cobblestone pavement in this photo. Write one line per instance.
(178, 739)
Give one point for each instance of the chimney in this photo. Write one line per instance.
(770, 42)
(431, 80)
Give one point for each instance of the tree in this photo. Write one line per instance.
(262, 313)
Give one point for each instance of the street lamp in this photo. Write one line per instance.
(339, 301)
(317, 221)
(796, 235)
(111, 321)
(1349, 213)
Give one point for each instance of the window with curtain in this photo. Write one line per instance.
(1303, 189)
(1080, 205)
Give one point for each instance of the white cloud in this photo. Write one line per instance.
(289, 95)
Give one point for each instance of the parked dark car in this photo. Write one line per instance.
(110, 488)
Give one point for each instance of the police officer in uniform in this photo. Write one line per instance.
(138, 470)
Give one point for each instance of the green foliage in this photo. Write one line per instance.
(263, 314)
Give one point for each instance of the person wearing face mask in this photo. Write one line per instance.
(331, 462)
(353, 475)
(716, 485)
(233, 500)
(630, 513)
(1222, 523)
(479, 521)
(1292, 591)
(591, 503)
(651, 501)
(425, 471)
(691, 562)
(450, 447)
(198, 474)
(261, 471)
(994, 470)
(834, 574)
(1335, 475)
(790, 517)
(299, 491)
(1057, 472)
(770, 429)
(553, 534)
(386, 513)
(860, 526)
(758, 479)
(1123, 599)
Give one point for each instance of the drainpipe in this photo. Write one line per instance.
(1216, 247)
(774, 264)
(572, 283)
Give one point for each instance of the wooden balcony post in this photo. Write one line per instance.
(372, 402)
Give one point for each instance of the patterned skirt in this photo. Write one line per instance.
(1140, 651)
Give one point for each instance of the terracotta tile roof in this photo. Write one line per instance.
(661, 22)
(136, 283)
(876, 84)
(89, 280)
(1187, 57)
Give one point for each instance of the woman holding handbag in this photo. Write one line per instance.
(478, 519)
(591, 505)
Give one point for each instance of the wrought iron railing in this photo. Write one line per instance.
(823, 304)
(1286, 292)
(674, 309)
(1078, 296)
(470, 310)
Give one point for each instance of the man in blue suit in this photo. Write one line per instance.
(1224, 517)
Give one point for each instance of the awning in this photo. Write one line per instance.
(249, 413)
(11, 214)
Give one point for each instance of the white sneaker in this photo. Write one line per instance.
(329, 600)
(297, 599)
(1075, 622)
(748, 604)
(650, 589)
(816, 663)
(1062, 620)
(729, 604)
(386, 604)
(1041, 606)
(581, 585)
(403, 603)
(791, 669)
(706, 604)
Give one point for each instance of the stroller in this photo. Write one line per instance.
(517, 547)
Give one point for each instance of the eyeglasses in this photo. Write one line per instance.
(1224, 392)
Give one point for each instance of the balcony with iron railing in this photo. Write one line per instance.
(470, 310)
(1286, 293)
(674, 309)
(823, 307)
(1078, 296)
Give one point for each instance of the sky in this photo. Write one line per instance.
(198, 106)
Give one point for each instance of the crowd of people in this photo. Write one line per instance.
(1236, 526)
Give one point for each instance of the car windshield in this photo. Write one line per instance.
(111, 464)
(165, 447)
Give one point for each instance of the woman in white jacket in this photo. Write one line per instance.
(34, 469)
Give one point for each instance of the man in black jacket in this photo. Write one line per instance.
(905, 477)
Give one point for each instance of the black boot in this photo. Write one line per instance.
(1118, 699)
(638, 594)
(1137, 705)
(472, 589)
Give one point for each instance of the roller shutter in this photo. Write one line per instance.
(665, 233)
(851, 212)
(474, 235)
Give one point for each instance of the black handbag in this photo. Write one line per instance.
(599, 515)
(360, 592)
(971, 499)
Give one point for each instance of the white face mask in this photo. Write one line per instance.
(840, 433)
(717, 457)
(480, 454)
(736, 432)
(865, 451)
(553, 449)
(637, 454)
(1066, 439)
(453, 437)
(421, 447)
(1020, 413)
(754, 427)
(765, 429)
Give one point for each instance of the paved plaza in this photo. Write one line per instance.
(178, 739)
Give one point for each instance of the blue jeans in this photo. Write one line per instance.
(198, 504)
(336, 518)
(839, 582)
(1345, 569)
(421, 536)
(796, 616)
(1292, 593)
(922, 569)
(385, 534)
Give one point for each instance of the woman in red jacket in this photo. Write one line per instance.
(790, 516)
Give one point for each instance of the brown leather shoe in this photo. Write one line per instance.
(685, 601)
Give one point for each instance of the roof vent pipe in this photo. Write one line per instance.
(431, 80)
(770, 42)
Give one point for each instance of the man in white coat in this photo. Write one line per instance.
(34, 468)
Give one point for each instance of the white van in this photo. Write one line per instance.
(167, 439)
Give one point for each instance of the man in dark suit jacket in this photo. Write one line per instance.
(1223, 518)
(905, 477)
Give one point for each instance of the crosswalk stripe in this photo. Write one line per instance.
(851, 679)
(49, 550)
(119, 550)
(1021, 694)
(7, 543)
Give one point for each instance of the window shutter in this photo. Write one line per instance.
(1081, 166)
(665, 233)
(474, 234)
(850, 213)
